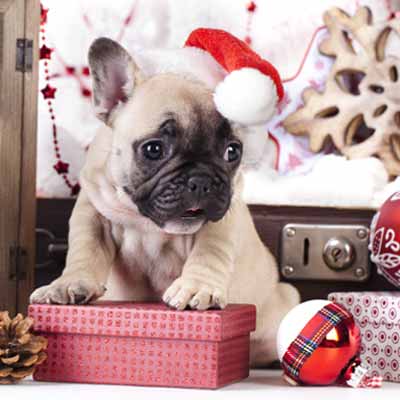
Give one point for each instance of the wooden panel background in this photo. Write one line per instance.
(11, 104)
(28, 164)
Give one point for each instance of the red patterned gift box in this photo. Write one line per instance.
(144, 344)
(378, 316)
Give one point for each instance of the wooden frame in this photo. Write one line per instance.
(19, 19)
(28, 165)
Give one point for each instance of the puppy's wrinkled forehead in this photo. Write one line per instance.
(165, 97)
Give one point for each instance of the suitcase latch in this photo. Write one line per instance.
(325, 252)
(24, 55)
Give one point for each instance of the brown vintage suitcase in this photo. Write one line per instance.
(299, 234)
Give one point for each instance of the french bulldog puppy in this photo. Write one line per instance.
(160, 214)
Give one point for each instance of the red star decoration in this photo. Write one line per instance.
(61, 167)
(43, 14)
(48, 92)
(251, 7)
(45, 52)
(85, 71)
(75, 189)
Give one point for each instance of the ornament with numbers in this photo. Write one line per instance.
(318, 343)
(385, 239)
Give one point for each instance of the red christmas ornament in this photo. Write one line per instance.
(318, 343)
(61, 167)
(385, 239)
(45, 52)
(48, 92)
(340, 345)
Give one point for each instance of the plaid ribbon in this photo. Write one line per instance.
(311, 337)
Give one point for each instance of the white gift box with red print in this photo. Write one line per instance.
(378, 316)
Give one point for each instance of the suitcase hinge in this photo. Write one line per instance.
(24, 55)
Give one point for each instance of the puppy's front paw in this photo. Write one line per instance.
(68, 291)
(189, 292)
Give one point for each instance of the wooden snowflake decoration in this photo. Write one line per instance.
(359, 110)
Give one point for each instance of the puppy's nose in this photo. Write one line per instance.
(199, 185)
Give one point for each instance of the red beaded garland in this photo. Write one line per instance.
(49, 92)
(251, 8)
(78, 74)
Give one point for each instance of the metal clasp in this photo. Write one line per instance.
(24, 55)
(325, 252)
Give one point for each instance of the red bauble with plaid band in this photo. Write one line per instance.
(318, 343)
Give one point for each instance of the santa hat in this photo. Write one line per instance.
(246, 87)
(252, 87)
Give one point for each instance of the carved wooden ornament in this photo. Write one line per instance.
(360, 106)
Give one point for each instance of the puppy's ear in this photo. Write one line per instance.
(114, 75)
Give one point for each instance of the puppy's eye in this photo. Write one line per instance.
(233, 152)
(153, 150)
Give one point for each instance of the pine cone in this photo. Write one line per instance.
(20, 350)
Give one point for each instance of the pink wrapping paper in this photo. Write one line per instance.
(144, 344)
(378, 316)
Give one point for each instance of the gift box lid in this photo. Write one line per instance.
(376, 308)
(144, 320)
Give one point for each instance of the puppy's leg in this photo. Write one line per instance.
(207, 272)
(269, 315)
(90, 256)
